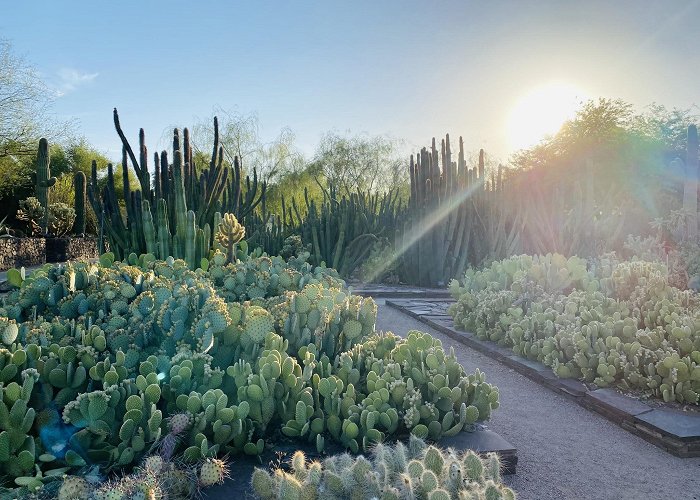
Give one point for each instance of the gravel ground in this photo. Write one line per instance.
(564, 450)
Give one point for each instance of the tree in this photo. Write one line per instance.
(240, 136)
(352, 162)
(609, 159)
(25, 103)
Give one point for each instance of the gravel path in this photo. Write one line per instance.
(564, 450)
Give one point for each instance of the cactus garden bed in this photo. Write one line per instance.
(148, 365)
(668, 425)
(615, 324)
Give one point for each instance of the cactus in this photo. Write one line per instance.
(619, 323)
(395, 471)
(212, 471)
(79, 182)
(690, 186)
(229, 232)
(180, 188)
(44, 181)
(107, 363)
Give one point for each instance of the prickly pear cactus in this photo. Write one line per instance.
(102, 364)
(619, 323)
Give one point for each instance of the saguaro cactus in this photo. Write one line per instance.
(44, 180)
(79, 183)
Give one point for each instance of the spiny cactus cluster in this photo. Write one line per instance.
(229, 232)
(154, 478)
(415, 470)
(102, 363)
(179, 215)
(614, 323)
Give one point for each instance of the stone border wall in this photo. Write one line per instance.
(64, 249)
(17, 252)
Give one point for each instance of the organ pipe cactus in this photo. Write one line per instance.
(690, 187)
(79, 182)
(183, 186)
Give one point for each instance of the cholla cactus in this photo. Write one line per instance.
(230, 232)
(413, 471)
(32, 213)
(61, 218)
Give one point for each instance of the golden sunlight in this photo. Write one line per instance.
(542, 112)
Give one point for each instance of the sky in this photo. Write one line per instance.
(408, 69)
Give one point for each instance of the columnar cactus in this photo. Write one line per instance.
(44, 181)
(690, 188)
(180, 187)
(80, 198)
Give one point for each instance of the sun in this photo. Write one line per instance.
(542, 112)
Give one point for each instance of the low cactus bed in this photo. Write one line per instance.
(610, 322)
(395, 472)
(104, 365)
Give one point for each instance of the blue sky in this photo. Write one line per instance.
(410, 69)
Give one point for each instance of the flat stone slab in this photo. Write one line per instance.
(676, 423)
(621, 406)
(379, 290)
(440, 319)
(529, 363)
(424, 307)
(572, 387)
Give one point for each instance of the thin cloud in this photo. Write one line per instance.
(69, 79)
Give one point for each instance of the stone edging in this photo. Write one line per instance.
(674, 431)
(380, 290)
